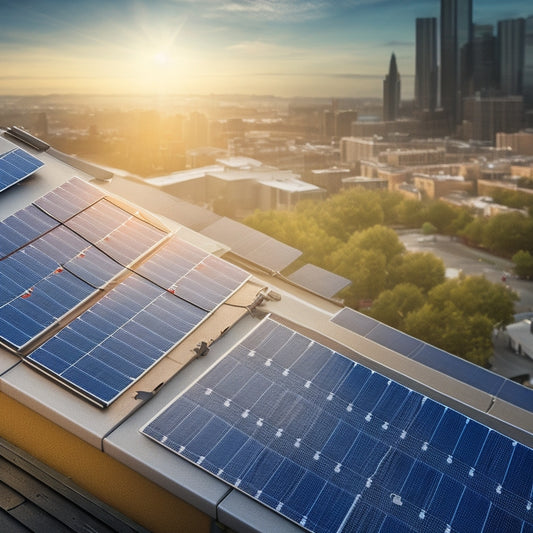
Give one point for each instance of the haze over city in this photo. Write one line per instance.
(279, 47)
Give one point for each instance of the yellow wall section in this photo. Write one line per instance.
(107, 479)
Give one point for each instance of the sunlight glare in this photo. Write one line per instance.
(161, 58)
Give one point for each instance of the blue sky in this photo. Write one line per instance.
(280, 47)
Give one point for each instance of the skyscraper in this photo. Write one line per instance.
(426, 70)
(484, 78)
(527, 88)
(511, 55)
(456, 36)
(391, 91)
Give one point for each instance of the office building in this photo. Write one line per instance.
(456, 36)
(511, 55)
(426, 68)
(391, 91)
(343, 122)
(528, 64)
(484, 76)
(487, 116)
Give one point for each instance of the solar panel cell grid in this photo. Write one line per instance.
(22, 227)
(436, 358)
(97, 337)
(386, 455)
(69, 199)
(48, 268)
(118, 233)
(190, 273)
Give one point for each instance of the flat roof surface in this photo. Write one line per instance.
(115, 430)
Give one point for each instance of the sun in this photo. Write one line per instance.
(161, 58)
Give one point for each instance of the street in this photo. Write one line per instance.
(458, 257)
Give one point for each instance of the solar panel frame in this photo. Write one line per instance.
(372, 471)
(436, 358)
(252, 245)
(192, 274)
(16, 165)
(102, 358)
(69, 199)
(318, 280)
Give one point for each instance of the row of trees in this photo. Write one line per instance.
(349, 234)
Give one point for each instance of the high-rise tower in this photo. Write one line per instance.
(527, 85)
(456, 36)
(511, 55)
(391, 92)
(426, 70)
(484, 78)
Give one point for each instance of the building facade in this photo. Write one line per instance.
(426, 69)
(486, 116)
(456, 36)
(528, 64)
(511, 55)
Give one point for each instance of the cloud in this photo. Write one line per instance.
(281, 10)
(264, 49)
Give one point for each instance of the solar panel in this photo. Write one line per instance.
(118, 233)
(64, 250)
(22, 227)
(319, 280)
(252, 245)
(333, 446)
(193, 274)
(438, 359)
(15, 164)
(111, 345)
(69, 199)
(394, 339)
(355, 321)
(44, 280)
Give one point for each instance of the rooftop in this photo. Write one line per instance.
(273, 409)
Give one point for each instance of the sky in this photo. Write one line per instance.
(325, 48)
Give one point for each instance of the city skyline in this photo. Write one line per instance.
(279, 47)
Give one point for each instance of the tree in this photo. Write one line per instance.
(448, 328)
(350, 211)
(508, 232)
(476, 294)
(459, 223)
(392, 306)
(523, 264)
(422, 269)
(428, 228)
(441, 215)
(411, 213)
(378, 238)
(365, 269)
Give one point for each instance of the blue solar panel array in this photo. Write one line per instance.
(69, 199)
(22, 227)
(334, 446)
(47, 269)
(117, 340)
(111, 345)
(44, 280)
(118, 233)
(193, 274)
(64, 250)
(15, 166)
(440, 360)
